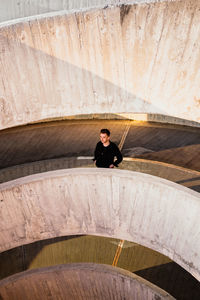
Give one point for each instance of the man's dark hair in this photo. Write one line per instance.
(105, 130)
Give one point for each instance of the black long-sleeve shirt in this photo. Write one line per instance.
(104, 156)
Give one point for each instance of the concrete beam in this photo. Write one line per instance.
(141, 58)
(128, 205)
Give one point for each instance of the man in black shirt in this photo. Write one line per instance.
(106, 151)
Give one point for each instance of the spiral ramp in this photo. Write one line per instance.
(67, 229)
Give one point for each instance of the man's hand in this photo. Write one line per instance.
(111, 166)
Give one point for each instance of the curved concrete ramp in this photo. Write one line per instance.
(141, 58)
(79, 281)
(137, 207)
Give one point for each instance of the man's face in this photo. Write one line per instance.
(104, 138)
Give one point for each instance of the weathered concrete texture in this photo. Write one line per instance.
(79, 281)
(140, 58)
(114, 203)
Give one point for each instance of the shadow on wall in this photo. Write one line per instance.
(38, 85)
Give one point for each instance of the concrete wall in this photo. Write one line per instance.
(140, 58)
(79, 281)
(127, 205)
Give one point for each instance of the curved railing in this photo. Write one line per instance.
(183, 176)
(128, 205)
(80, 281)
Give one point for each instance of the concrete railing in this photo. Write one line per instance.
(140, 58)
(80, 281)
(183, 176)
(121, 204)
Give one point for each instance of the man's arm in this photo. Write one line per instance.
(118, 155)
(97, 152)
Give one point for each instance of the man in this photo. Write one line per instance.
(106, 151)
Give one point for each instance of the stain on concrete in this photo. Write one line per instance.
(102, 229)
(124, 11)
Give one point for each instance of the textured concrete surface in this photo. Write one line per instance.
(141, 58)
(114, 203)
(78, 282)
